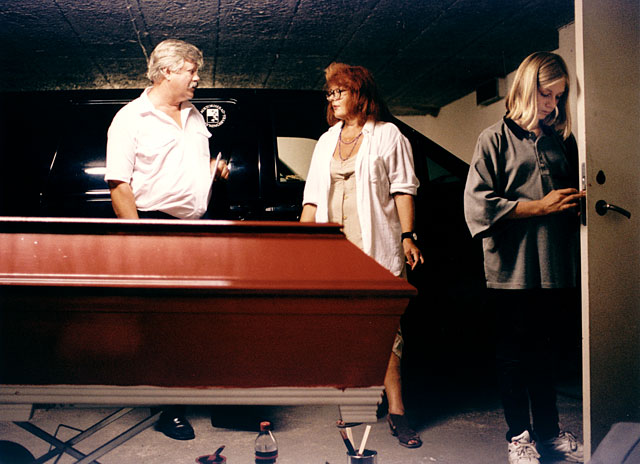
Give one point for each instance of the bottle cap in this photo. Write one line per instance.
(264, 426)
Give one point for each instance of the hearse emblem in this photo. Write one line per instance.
(214, 115)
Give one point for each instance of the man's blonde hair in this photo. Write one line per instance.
(539, 71)
(171, 54)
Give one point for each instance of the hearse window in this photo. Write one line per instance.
(75, 186)
(294, 158)
(298, 122)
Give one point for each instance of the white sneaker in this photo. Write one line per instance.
(522, 450)
(565, 446)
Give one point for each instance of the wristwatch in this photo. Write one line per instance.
(412, 235)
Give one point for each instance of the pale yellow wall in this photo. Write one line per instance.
(458, 124)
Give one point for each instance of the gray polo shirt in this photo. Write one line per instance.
(511, 165)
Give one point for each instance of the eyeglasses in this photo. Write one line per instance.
(335, 94)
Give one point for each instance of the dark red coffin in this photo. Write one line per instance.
(193, 312)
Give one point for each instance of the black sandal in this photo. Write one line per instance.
(400, 428)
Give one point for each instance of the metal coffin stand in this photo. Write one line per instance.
(136, 313)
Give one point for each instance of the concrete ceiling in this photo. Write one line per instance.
(423, 53)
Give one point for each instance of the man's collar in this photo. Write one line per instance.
(149, 107)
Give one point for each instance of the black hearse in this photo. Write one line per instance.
(54, 145)
(52, 151)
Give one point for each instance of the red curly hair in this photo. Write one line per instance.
(366, 102)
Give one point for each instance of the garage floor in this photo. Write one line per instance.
(459, 423)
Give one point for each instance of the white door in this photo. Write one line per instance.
(608, 72)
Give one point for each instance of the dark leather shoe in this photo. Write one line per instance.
(175, 426)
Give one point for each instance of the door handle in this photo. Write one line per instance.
(602, 207)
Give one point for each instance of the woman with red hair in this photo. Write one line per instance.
(362, 176)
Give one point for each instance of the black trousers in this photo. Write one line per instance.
(161, 215)
(154, 215)
(528, 324)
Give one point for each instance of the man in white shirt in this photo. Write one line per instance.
(158, 160)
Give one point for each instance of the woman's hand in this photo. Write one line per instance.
(406, 214)
(308, 213)
(556, 201)
(561, 200)
(412, 253)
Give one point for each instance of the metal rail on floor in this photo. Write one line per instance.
(60, 447)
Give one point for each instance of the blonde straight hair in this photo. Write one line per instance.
(539, 71)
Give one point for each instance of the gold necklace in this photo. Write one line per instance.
(353, 141)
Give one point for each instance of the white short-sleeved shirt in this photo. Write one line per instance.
(167, 166)
(384, 166)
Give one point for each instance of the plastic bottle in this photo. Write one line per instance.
(266, 445)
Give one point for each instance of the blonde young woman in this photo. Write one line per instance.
(362, 176)
(521, 199)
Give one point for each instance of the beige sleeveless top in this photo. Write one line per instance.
(343, 208)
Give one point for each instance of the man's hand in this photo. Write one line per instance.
(122, 199)
(221, 168)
